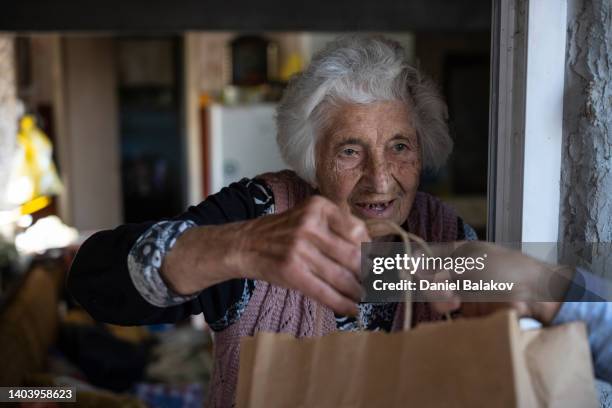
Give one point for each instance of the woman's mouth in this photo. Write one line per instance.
(375, 209)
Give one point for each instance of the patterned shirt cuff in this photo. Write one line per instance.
(145, 261)
(469, 233)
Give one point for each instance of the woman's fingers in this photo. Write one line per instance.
(337, 235)
(343, 238)
(346, 225)
(315, 249)
(344, 253)
(300, 263)
(334, 274)
(318, 289)
(296, 272)
(308, 257)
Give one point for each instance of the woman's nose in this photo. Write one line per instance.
(379, 175)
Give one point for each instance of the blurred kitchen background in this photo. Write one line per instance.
(142, 126)
(126, 125)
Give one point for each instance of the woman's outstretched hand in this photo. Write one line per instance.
(314, 248)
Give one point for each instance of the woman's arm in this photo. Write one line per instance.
(313, 248)
(100, 280)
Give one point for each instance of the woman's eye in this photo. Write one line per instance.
(400, 147)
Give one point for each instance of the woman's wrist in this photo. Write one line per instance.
(200, 259)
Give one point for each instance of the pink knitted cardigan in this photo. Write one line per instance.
(280, 310)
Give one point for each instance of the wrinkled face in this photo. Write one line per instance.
(368, 160)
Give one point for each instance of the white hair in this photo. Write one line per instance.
(359, 70)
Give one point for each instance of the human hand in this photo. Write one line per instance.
(314, 248)
(504, 264)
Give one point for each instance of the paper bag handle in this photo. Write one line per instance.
(379, 228)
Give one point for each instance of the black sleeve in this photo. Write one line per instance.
(99, 279)
(460, 229)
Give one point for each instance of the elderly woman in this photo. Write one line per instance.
(281, 252)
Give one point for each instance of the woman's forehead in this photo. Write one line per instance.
(388, 118)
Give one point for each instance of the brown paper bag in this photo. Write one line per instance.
(483, 362)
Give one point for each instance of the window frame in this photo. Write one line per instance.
(528, 41)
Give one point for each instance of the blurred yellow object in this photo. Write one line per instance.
(35, 205)
(33, 173)
(78, 316)
(293, 65)
(133, 334)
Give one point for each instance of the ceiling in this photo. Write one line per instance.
(145, 16)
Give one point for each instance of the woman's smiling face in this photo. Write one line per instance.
(368, 160)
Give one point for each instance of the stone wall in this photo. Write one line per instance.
(586, 175)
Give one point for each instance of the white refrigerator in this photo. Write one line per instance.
(242, 143)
